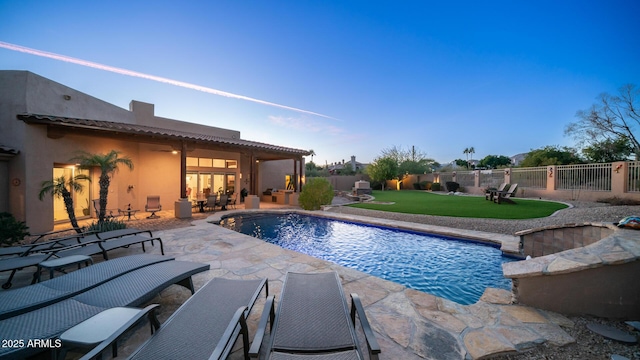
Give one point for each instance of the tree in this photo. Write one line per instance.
(108, 164)
(608, 150)
(469, 151)
(461, 163)
(383, 169)
(494, 161)
(613, 117)
(551, 155)
(60, 188)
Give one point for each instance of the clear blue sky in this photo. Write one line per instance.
(501, 76)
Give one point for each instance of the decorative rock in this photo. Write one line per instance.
(634, 324)
(612, 333)
(619, 357)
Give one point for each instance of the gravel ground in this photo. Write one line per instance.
(588, 345)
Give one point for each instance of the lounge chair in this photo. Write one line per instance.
(505, 196)
(491, 193)
(312, 321)
(89, 245)
(153, 206)
(206, 326)
(131, 289)
(24, 299)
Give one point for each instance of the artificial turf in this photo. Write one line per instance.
(427, 203)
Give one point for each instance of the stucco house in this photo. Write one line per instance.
(43, 124)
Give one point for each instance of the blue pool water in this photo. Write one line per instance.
(454, 269)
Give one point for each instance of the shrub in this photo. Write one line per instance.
(315, 193)
(106, 225)
(425, 185)
(435, 186)
(417, 186)
(12, 231)
(452, 186)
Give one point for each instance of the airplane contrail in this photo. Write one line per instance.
(150, 77)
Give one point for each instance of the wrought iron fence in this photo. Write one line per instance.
(633, 180)
(592, 177)
(491, 178)
(533, 177)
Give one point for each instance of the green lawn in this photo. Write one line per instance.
(426, 203)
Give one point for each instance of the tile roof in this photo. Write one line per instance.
(154, 132)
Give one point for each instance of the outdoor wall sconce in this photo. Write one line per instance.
(618, 168)
(506, 172)
(129, 188)
(67, 97)
(550, 172)
(454, 173)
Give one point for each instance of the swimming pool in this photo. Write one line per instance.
(454, 269)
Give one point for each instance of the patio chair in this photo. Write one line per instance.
(232, 201)
(206, 326)
(505, 196)
(131, 289)
(211, 202)
(490, 193)
(222, 201)
(312, 321)
(35, 296)
(153, 206)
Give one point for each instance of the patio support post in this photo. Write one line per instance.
(183, 170)
(252, 171)
(295, 175)
(301, 167)
(182, 207)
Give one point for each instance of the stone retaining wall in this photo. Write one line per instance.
(553, 239)
(598, 279)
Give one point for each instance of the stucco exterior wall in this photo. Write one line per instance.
(156, 169)
(272, 174)
(145, 115)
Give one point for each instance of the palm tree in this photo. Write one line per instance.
(59, 187)
(471, 152)
(108, 164)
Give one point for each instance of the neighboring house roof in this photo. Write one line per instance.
(153, 132)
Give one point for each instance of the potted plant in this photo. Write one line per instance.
(85, 209)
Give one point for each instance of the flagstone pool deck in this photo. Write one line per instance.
(408, 324)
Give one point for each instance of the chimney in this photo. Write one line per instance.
(353, 162)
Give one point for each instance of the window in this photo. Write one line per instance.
(232, 164)
(219, 163)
